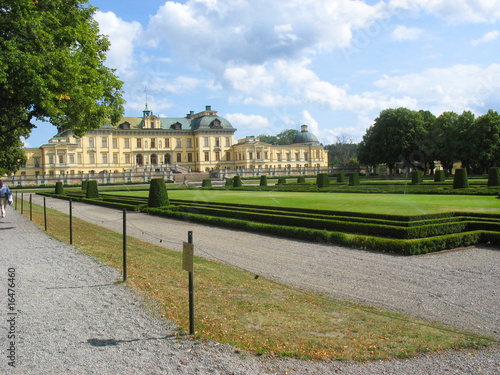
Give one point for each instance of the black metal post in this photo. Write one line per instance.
(124, 244)
(191, 293)
(70, 221)
(15, 205)
(31, 207)
(22, 203)
(45, 213)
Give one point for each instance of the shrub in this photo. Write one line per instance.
(205, 183)
(59, 188)
(282, 180)
(84, 184)
(158, 196)
(341, 177)
(92, 191)
(229, 182)
(263, 180)
(322, 180)
(354, 179)
(417, 177)
(494, 176)
(439, 176)
(460, 181)
(301, 180)
(237, 181)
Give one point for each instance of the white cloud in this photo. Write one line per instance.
(401, 33)
(488, 37)
(247, 121)
(122, 36)
(454, 11)
(457, 87)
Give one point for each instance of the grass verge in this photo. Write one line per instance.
(256, 314)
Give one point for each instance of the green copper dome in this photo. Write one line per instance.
(305, 137)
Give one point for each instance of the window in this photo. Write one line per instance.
(79, 158)
(91, 142)
(297, 156)
(306, 156)
(189, 143)
(178, 143)
(179, 157)
(152, 124)
(115, 142)
(37, 162)
(217, 156)
(228, 155)
(167, 142)
(115, 158)
(278, 157)
(288, 156)
(228, 142)
(61, 158)
(139, 143)
(266, 155)
(250, 155)
(190, 157)
(207, 156)
(205, 141)
(79, 142)
(146, 144)
(104, 143)
(127, 158)
(217, 142)
(258, 155)
(91, 159)
(159, 144)
(104, 158)
(72, 158)
(126, 141)
(153, 142)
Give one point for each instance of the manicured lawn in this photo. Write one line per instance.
(403, 204)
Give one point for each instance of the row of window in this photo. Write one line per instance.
(153, 142)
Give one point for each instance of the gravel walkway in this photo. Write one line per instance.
(72, 317)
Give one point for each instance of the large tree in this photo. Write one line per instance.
(52, 69)
(485, 139)
(283, 138)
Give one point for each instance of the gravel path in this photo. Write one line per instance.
(73, 318)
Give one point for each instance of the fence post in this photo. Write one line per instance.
(191, 293)
(15, 205)
(22, 203)
(45, 213)
(31, 207)
(124, 244)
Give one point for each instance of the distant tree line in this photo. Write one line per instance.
(418, 139)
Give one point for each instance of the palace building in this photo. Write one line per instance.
(198, 142)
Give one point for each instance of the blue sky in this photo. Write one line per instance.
(267, 66)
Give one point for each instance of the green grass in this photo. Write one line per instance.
(257, 314)
(392, 204)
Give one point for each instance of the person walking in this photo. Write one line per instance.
(4, 197)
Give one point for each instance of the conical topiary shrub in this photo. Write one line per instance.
(341, 177)
(206, 183)
(59, 188)
(282, 180)
(158, 196)
(263, 180)
(354, 179)
(301, 180)
(494, 176)
(439, 176)
(84, 185)
(417, 177)
(460, 181)
(92, 191)
(237, 182)
(229, 182)
(322, 180)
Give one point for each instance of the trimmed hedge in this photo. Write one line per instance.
(281, 180)
(341, 177)
(301, 180)
(206, 183)
(322, 180)
(460, 181)
(158, 196)
(494, 176)
(59, 188)
(92, 191)
(237, 182)
(263, 180)
(229, 182)
(354, 179)
(439, 176)
(417, 177)
(84, 184)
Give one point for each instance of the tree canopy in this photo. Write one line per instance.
(283, 138)
(52, 69)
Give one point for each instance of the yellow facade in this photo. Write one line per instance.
(199, 142)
